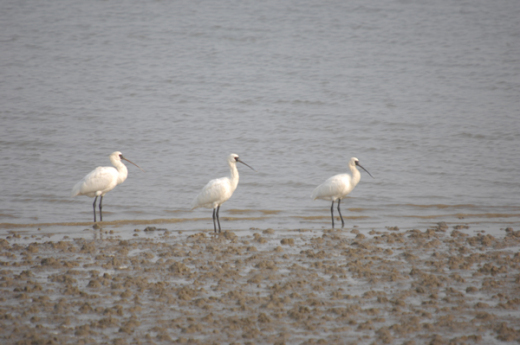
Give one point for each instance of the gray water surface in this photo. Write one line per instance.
(425, 94)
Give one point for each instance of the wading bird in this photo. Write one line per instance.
(219, 190)
(102, 180)
(339, 186)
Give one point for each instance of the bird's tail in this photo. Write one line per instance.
(76, 189)
(194, 204)
(314, 194)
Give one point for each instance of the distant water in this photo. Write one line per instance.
(425, 94)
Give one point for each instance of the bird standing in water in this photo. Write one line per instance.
(219, 190)
(102, 180)
(339, 186)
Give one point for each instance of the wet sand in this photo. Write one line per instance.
(442, 285)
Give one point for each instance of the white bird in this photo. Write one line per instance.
(102, 180)
(339, 186)
(219, 190)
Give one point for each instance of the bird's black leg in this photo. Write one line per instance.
(342, 222)
(332, 213)
(218, 219)
(100, 207)
(214, 223)
(94, 206)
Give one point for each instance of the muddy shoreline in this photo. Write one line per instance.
(439, 285)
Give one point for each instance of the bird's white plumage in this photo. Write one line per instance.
(219, 190)
(338, 186)
(98, 182)
(214, 193)
(334, 188)
(102, 179)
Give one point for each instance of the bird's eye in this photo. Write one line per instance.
(236, 158)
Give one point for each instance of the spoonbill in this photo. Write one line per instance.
(102, 180)
(219, 190)
(339, 186)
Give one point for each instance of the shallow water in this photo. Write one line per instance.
(425, 95)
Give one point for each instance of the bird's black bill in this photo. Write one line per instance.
(132, 163)
(238, 160)
(359, 165)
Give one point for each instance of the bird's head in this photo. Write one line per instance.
(233, 159)
(118, 156)
(355, 162)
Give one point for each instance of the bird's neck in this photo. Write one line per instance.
(356, 175)
(234, 175)
(122, 172)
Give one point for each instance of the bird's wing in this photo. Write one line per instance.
(331, 189)
(101, 179)
(214, 191)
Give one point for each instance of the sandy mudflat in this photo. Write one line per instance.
(442, 285)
